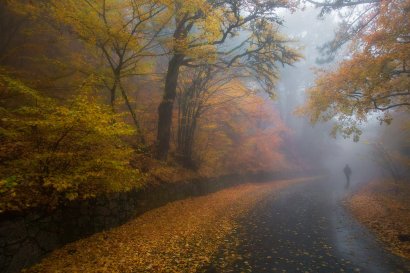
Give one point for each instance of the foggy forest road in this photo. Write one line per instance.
(305, 228)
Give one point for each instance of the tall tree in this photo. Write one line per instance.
(200, 90)
(374, 79)
(125, 34)
(203, 32)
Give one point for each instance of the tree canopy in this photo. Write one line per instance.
(52, 153)
(202, 32)
(375, 79)
(81, 82)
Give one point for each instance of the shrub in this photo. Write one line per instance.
(51, 153)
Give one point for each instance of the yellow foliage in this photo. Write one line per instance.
(52, 152)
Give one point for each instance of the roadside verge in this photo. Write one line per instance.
(182, 236)
(26, 238)
(384, 208)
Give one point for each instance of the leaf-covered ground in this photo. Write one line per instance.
(303, 229)
(384, 207)
(183, 236)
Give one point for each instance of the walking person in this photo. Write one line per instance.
(347, 172)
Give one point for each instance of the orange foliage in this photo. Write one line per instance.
(373, 79)
(243, 136)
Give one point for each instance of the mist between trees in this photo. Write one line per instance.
(100, 96)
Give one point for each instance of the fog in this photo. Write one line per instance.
(314, 142)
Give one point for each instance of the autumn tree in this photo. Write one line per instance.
(125, 35)
(243, 135)
(190, 100)
(375, 79)
(200, 90)
(51, 153)
(202, 32)
(355, 16)
(258, 143)
(58, 140)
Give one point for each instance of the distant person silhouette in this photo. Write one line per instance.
(347, 172)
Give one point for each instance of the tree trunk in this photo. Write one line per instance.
(189, 109)
(166, 106)
(112, 95)
(140, 136)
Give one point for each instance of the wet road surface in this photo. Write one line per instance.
(304, 229)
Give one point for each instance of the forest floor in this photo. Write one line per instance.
(182, 236)
(384, 208)
(296, 225)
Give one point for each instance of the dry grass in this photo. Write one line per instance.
(384, 207)
(182, 236)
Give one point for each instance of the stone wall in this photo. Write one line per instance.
(25, 239)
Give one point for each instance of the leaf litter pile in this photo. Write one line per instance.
(384, 207)
(182, 236)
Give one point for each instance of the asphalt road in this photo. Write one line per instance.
(304, 229)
